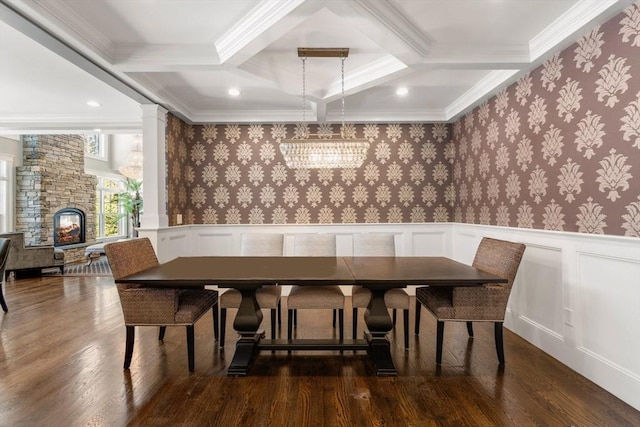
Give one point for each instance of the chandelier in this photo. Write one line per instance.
(316, 153)
(132, 168)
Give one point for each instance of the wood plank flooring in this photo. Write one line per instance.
(61, 355)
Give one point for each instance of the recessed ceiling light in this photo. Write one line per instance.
(93, 103)
(402, 91)
(97, 130)
(234, 92)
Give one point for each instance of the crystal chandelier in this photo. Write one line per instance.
(132, 168)
(308, 153)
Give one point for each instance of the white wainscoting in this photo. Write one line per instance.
(576, 296)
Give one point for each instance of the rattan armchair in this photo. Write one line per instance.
(148, 306)
(5, 246)
(487, 303)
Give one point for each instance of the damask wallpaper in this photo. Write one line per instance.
(557, 150)
(235, 174)
(560, 148)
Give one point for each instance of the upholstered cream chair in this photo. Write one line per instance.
(256, 244)
(487, 303)
(148, 306)
(378, 244)
(315, 297)
(5, 246)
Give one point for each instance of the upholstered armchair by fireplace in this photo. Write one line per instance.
(23, 257)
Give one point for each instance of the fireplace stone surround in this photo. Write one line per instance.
(52, 178)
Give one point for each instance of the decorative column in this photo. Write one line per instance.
(154, 171)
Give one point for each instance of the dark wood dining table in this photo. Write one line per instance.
(247, 274)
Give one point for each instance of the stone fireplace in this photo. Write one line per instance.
(52, 179)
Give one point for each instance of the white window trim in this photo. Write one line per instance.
(105, 149)
(11, 191)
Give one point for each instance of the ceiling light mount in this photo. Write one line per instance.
(323, 52)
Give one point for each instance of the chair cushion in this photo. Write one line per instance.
(360, 296)
(397, 298)
(315, 297)
(192, 304)
(267, 297)
(438, 300)
(394, 298)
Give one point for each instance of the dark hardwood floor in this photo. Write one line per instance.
(61, 355)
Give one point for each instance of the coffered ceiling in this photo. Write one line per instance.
(186, 54)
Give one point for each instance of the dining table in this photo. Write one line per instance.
(249, 273)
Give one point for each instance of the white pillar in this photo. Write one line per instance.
(154, 119)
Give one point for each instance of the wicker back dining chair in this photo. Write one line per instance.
(148, 306)
(378, 244)
(5, 246)
(315, 297)
(486, 303)
(256, 244)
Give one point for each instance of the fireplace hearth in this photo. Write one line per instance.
(69, 227)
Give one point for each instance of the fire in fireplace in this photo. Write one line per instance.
(68, 226)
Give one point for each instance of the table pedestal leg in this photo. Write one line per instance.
(246, 324)
(378, 324)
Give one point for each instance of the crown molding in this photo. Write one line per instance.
(386, 13)
(365, 77)
(251, 116)
(54, 44)
(165, 57)
(485, 88)
(66, 24)
(66, 124)
(396, 116)
(479, 56)
(572, 21)
(259, 20)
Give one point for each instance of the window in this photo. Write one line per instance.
(95, 146)
(110, 218)
(6, 197)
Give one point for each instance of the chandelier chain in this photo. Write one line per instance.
(342, 76)
(304, 90)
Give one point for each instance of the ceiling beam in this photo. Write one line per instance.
(32, 30)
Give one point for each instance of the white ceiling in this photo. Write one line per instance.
(186, 54)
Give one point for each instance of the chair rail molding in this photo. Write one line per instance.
(576, 295)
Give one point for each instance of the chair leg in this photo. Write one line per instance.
(355, 322)
(216, 321)
(295, 318)
(499, 343)
(405, 314)
(417, 325)
(223, 326)
(334, 318)
(273, 323)
(395, 317)
(3, 303)
(439, 335)
(190, 350)
(279, 313)
(163, 329)
(128, 350)
(290, 314)
(341, 322)
(470, 329)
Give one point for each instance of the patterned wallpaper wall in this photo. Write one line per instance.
(560, 148)
(235, 174)
(557, 150)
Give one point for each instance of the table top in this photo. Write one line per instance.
(251, 272)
